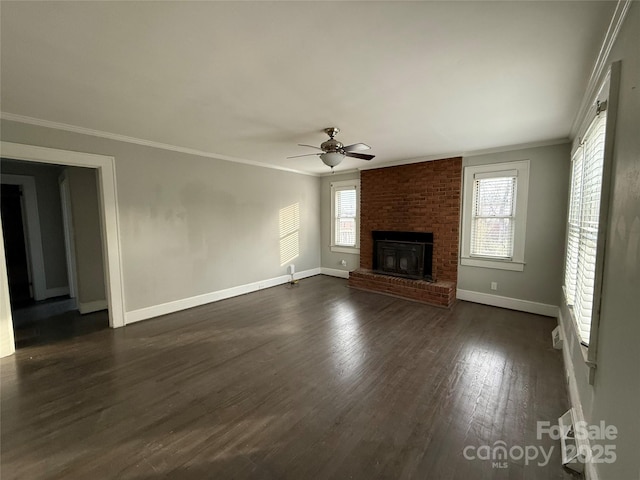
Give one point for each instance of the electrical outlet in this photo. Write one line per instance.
(494, 285)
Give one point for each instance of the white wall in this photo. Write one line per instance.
(615, 396)
(541, 279)
(331, 260)
(50, 213)
(192, 225)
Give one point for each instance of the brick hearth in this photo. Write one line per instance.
(435, 293)
(421, 197)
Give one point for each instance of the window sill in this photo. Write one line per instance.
(339, 249)
(492, 263)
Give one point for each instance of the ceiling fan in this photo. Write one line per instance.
(332, 152)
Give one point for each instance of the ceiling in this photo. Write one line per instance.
(251, 80)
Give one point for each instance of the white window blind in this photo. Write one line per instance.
(582, 228)
(345, 217)
(493, 214)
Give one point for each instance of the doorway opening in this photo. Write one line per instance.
(66, 221)
(53, 298)
(14, 228)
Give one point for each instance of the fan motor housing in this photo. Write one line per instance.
(331, 145)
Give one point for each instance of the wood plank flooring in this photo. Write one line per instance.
(313, 381)
(54, 320)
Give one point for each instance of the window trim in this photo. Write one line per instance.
(335, 187)
(516, 262)
(609, 92)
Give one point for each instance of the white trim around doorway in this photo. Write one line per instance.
(106, 168)
(67, 224)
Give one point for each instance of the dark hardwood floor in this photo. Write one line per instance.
(54, 320)
(312, 381)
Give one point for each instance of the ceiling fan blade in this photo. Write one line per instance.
(356, 146)
(303, 145)
(305, 155)
(361, 156)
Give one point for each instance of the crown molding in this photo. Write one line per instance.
(339, 172)
(600, 66)
(518, 146)
(190, 151)
(469, 153)
(13, 117)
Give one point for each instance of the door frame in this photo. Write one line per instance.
(67, 226)
(33, 237)
(108, 200)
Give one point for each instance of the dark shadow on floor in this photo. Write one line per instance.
(53, 320)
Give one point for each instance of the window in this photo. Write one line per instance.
(345, 206)
(345, 218)
(587, 165)
(494, 215)
(589, 198)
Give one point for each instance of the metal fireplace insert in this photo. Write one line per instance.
(403, 254)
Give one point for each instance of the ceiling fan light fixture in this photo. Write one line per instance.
(333, 151)
(332, 159)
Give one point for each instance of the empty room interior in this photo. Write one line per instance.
(320, 240)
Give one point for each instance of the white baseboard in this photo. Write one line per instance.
(334, 272)
(56, 292)
(507, 302)
(91, 307)
(177, 305)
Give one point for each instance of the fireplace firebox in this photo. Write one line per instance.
(403, 254)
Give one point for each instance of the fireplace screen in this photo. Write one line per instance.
(401, 258)
(403, 254)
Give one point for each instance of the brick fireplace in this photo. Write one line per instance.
(423, 199)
